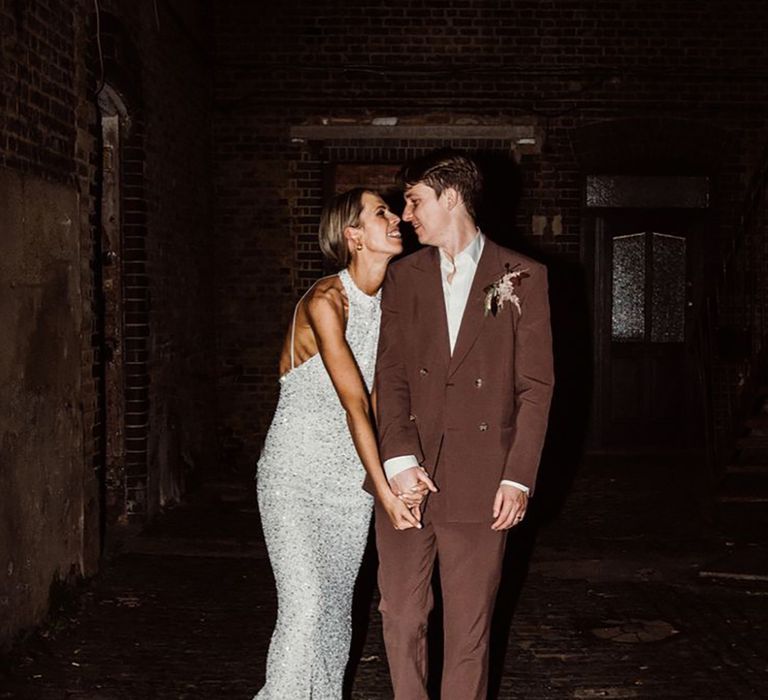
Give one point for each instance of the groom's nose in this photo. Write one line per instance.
(408, 212)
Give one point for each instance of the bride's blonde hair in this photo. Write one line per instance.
(341, 211)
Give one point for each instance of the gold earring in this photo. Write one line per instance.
(359, 247)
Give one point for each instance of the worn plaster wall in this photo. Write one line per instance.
(41, 434)
(49, 418)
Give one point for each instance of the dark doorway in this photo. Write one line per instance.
(647, 273)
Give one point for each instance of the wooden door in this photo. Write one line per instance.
(647, 265)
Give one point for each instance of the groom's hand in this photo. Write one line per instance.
(509, 507)
(412, 485)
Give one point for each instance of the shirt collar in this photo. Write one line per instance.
(471, 253)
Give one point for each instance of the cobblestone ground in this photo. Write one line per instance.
(609, 605)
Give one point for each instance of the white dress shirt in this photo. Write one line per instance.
(457, 274)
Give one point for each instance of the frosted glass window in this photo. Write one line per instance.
(668, 289)
(628, 292)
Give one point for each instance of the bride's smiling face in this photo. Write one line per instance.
(378, 229)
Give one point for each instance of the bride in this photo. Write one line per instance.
(318, 449)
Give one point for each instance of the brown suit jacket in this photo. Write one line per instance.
(480, 415)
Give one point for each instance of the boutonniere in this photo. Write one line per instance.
(504, 290)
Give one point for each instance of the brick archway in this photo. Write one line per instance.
(124, 295)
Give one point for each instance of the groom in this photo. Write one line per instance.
(463, 380)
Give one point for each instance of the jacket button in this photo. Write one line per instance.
(411, 417)
(478, 382)
(483, 427)
(423, 371)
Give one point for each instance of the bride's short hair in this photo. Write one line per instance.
(341, 211)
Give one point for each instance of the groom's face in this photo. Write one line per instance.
(427, 213)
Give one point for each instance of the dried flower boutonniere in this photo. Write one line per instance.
(504, 290)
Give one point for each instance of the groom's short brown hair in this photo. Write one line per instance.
(446, 168)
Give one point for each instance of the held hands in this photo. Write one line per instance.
(399, 514)
(412, 485)
(509, 507)
(404, 499)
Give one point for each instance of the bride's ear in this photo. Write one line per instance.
(353, 237)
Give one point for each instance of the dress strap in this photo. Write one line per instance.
(293, 330)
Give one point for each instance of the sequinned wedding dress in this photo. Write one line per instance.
(315, 516)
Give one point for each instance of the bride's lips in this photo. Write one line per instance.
(395, 234)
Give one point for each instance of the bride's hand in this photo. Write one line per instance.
(399, 514)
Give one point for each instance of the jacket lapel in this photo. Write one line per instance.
(431, 299)
(489, 268)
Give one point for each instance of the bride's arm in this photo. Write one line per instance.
(325, 310)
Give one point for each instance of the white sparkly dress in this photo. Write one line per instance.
(315, 516)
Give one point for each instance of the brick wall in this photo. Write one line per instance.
(559, 65)
(40, 94)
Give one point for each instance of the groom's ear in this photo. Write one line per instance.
(451, 197)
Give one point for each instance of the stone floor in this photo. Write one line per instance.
(602, 599)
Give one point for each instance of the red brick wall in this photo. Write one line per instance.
(40, 92)
(562, 64)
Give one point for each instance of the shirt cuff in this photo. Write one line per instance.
(395, 465)
(523, 488)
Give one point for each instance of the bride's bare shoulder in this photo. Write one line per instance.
(327, 294)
